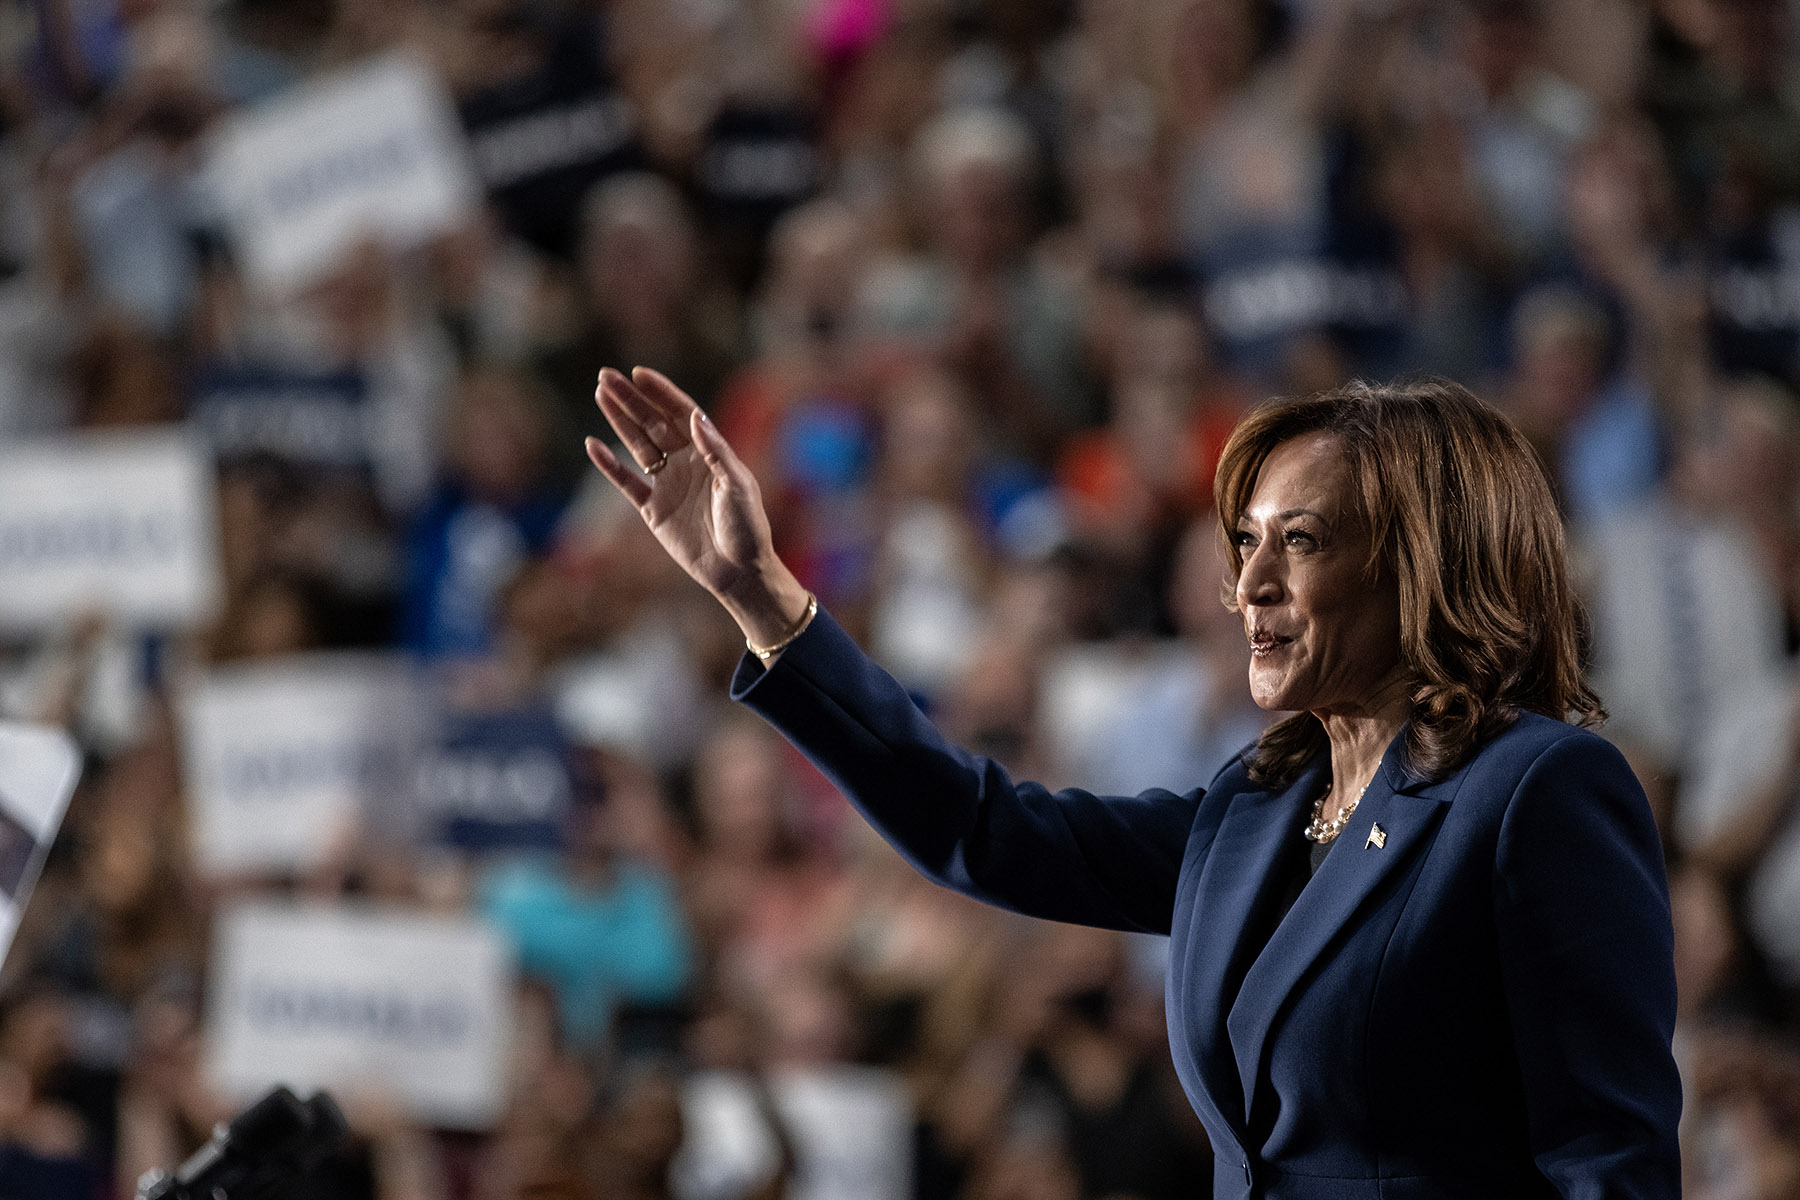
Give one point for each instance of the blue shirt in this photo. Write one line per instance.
(462, 553)
(596, 949)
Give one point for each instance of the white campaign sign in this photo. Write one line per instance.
(373, 152)
(417, 1007)
(851, 1129)
(282, 756)
(38, 769)
(123, 523)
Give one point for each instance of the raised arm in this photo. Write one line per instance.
(956, 816)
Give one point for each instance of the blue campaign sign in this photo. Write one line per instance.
(758, 162)
(1753, 284)
(496, 781)
(312, 419)
(1256, 304)
(540, 141)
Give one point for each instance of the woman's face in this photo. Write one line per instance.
(1321, 635)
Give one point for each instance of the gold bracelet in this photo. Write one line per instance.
(765, 653)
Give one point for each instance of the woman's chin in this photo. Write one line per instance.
(1271, 689)
(1272, 699)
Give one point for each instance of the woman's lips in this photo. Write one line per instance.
(1264, 644)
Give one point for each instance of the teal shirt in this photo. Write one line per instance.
(596, 949)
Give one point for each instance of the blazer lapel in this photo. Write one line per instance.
(1407, 810)
(1236, 884)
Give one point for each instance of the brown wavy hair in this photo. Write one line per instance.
(1460, 510)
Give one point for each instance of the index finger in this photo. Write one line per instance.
(668, 399)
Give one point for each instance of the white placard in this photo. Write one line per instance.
(416, 1007)
(1684, 620)
(281, 757)
(851, 1129)
(124, 523)
(373, 152)
(1085, 687)
(38, 769)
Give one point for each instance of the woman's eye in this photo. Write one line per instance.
(1301, 538)
(1243, 540)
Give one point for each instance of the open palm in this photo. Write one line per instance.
(692, 490)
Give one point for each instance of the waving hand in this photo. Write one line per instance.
(698, 498)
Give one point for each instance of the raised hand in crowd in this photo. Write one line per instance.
(699, 499)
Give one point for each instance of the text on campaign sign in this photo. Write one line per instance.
(355, 998)
(283, 757)
(374, 152)
(495, 781)
(123, 524)
(299, 1009)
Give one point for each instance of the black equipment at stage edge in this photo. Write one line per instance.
(257, 1155)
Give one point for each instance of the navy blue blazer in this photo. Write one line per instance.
(1479, 1005)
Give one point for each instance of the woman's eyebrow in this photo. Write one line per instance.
(1287, 515)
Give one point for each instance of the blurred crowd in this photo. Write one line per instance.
(978, 289)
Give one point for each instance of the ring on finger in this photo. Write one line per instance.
(662, 460)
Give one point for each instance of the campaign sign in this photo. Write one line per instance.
(311, 419)
(758, 162)
(851, 1129)
(413, 1006)
(495, 781)
(538, 156)
(1753, 281)
(541, 140)
(282, 756)
(372, 152)
(124, 523)
(1255, 305)
(38, 769)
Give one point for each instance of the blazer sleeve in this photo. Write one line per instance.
(958, 817)
(1587, 960)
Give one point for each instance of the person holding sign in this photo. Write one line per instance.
(1420, 932)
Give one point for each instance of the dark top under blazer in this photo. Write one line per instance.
(1481, 1007)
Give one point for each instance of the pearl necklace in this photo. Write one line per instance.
(1321, 830)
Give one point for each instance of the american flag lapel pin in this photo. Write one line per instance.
(1377, 837)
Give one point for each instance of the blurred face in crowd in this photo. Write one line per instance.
(816, 257)
(981, 210)
(1752, 43)
(272, 620)
(1156, 385)
(1194, 588)
(1322, 634)
(355, 302)
(637, 251)
(497, 437)
(1560, 356)
(808, 1020)
(926, 438)
(1754, 453)
(1501, 42)
(739, 786)
(635, 259)
(1211, 44)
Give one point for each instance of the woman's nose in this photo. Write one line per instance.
(1259, 583)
